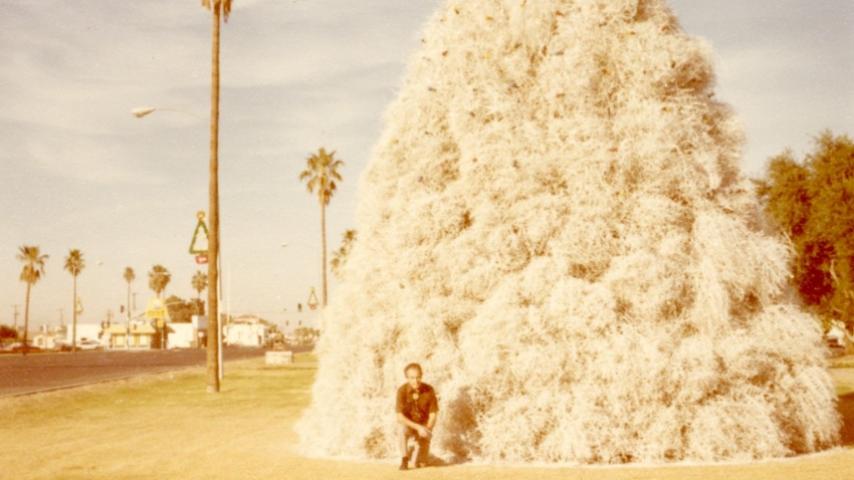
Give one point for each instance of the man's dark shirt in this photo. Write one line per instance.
(417, 405)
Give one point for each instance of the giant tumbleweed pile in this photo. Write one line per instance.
(555, 225)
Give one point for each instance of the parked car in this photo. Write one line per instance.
(18, 347)
(88, 344)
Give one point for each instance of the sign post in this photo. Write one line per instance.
(157, 311)
(199, 248)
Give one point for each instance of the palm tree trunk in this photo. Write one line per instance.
(74, 318)
(323, 236)
(127, 332)
(213, 213)
(26, 321)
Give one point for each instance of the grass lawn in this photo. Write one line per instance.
(166, 426)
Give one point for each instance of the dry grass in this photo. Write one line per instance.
(168, 427)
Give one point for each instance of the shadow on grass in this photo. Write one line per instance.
(846, 410)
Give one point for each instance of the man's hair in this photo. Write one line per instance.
(415, 366)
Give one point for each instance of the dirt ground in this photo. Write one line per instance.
(166, 426)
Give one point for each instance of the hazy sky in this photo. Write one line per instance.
(79, 171)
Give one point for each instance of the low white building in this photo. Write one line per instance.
(246, 331)
(86, 331)
(49, 337)
(181, 335)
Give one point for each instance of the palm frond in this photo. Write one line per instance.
(226, 6)
(34, 263)
(74, 262)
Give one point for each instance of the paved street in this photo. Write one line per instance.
(48, 371)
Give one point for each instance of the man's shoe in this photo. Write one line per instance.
(404, 464)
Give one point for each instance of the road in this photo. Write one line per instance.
(50, 371)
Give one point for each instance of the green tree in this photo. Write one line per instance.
(31, 273)
(306, 336)
(812, 201)
(74, 264)
(8, 332)
(158, 279)
(200, 283)
(180, 310)
(339, 257)
(320, 175)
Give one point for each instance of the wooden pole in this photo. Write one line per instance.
(213, 383)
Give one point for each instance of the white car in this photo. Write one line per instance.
(88, 344)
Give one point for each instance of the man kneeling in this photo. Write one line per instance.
(417, 407)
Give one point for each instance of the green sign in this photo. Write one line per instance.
(199, 244)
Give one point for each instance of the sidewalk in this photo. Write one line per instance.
(166, 426)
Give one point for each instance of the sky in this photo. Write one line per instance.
(79, 171)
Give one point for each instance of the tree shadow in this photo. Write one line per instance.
(846, 411)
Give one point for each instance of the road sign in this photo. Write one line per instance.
(312, 300)
(199, 244)
(156, 310)
(202, 258)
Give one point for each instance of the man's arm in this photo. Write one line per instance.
(421, 429)
(431, 420)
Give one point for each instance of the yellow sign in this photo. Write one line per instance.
(156, 310)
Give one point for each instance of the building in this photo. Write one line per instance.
(50, 337)
(86, 331)
(139, 337)
(246, 331)
(181, 335)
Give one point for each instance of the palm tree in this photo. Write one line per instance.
(200, 282)
(74, 264)
(219, 8)
(129, 277)
(339, 257)
(158, 278)
(32, 272)
(320, 174)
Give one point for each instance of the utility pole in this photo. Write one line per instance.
(213, 350)
(15, 316)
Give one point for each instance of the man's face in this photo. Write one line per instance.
(413, 377)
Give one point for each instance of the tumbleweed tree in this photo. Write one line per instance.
(555, 225)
